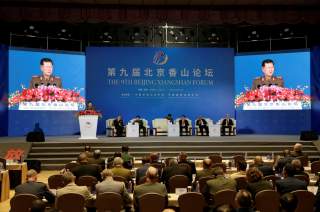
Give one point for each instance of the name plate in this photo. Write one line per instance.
(273, 105)
(48, 106)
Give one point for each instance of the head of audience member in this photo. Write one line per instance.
(258, 161)
(107, 174)
(83, 158)
(145, 159)
(68, 177)
(152, 174)
(97, 154)
(296, 163)
(288, 202)
(117, 162)
(124, 149)
(218, 171)
(207, 163)
(116, 154)
(168, 210)
(254, 175)
(183, 157)
(243, 199)
(297, 148)
(38, 206)
(87, 148)
(224, 208)
(242, 165)
(173, 162)
(32, 175)
(286, 153)
(289, 170)
(154, 157)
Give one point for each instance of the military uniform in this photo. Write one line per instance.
(40, 80)
(261, 81)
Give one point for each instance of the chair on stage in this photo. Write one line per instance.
(197, 128)
(160, 126)
(22, 202)
(227, 131)
(111, 131)
(109, 201)
(184, 131)
(191, 202)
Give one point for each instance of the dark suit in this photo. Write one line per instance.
(226, 124)
(282, 162)
(141, 127)
(174, 170)
(36, 188)
(191, 164)
(87, 170)
(100, 162)
(266, 170)
(290, 184)
(118, 124)
(255, 187)
(184, 126)
(203, 126)
(141, 172)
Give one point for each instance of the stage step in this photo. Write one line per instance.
(56, 152)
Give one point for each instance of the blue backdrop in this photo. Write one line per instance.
(3, 90)
(294, 67)
(23, 64)
(152, 82)
(315, 88)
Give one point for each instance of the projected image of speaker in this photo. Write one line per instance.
(308, 136)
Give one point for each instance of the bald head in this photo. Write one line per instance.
(297, 147)
(83, 158)
(258, 160)
(183, 156)
(32, 175)
(117, 162)
(106, 173)
(207, 163)
(152, 173)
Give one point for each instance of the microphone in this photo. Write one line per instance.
(36, 85)
(48, 84)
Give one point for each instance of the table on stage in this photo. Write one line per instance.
(17, 173)
(5, 185)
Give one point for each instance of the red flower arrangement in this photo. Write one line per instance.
(89, 112)
(46, 94)
(273, 93)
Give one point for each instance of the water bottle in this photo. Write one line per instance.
(106, 163)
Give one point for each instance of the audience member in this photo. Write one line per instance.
(174, 169)
(206, 171)
(299, 170)
(151, 186)
(87, 150)
(256, 182)
(155, 162)
(290, 183)
(85, 169)
(36, 188)
(224, 208)
(288, 202)
(281, 162)
(97, 159)
(109, 185)
(242, 167)
(244, 201)
(220, 182)
(183, 160)
(71, 187)
(297, 150)
(141, 172)
(118, 169)
(265, 169)
(126, 157)
(110, 160)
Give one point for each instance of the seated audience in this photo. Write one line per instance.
(126, 157)
(184, 125)
(86, 169)
(203, 126)
(256, 182)
(297, 150)
(151, 186)
(220, 182)
(33, 187)
(38, 206)
(244, 201)
(174, 169)
(299, 170)
(226, 123)
(241, 167)
(119, 125)
(288, 202)
(87, 150)
(109, 185)
(71, 187)
(141, 172)
(265, 169)
(183, 160)
(290, 183)
(281, 162)
(155, 162)
(96, 159)
(110, 160)
(118, 169)
(206, 171)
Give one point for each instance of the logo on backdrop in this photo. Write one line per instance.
(160, 58)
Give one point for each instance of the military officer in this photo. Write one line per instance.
(268, 79)
(46, 66)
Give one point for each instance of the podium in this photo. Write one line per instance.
(173, 130)
(132, 130)
(88, 126)
(214, 130)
